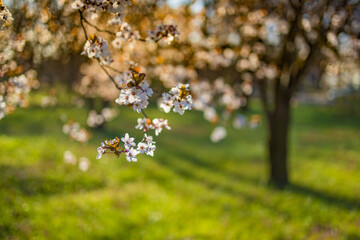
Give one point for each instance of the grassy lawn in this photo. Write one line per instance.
(191, 189)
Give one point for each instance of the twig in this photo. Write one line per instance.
(143, 112)
(82, 24)
(97, 28)
(112, 79)
(113, 69)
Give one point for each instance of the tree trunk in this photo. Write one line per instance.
(278, 123)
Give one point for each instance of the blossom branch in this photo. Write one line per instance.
(113, 69)
(82, 20)
(82, 23)
(111, 78)
(94, 26)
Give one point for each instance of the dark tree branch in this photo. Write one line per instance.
(111, 78)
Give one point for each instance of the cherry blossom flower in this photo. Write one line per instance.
(116, 43)
(131, 155)
(101, 150)
(97, 47)
(148, 139)
(150, 149)
(125, 33)
(159, 124)
(124, 78)
(77, 4)
(114, 6)
(135, 93)
(178, 97)
(142, 147)
(167, 32)
(128, 141)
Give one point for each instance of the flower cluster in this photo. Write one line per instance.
(179, 98)
(75, 132)
(97, 47)
(14, 92)
(5, 17)
(156, 124)
(111, 6)
(134, 89)
(125, 33)
(168, 32)
(128, 146)
(135, 93)
(124, 78)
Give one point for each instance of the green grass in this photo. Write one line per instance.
(191, 189)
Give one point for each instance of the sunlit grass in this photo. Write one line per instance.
(191, 189)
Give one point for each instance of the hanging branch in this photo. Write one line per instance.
(82, 20)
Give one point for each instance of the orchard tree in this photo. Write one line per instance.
(273, 44)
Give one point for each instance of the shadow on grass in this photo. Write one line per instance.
(341, 201)
(27, 182)
(230, 176)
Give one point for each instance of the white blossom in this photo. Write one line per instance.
(142, 147)
(101, 150)
(128, 141)
(167, 32)
(97, 47)
(178, 97)
(77, 4)
(131, 155)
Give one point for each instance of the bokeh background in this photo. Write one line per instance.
(209, 177)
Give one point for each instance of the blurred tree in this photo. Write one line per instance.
(280, 42)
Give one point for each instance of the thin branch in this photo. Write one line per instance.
(4, 79)
(82, 19)
(113, 69)
(112, 79)
(97, 28)
(143, 112)
(82, 24)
